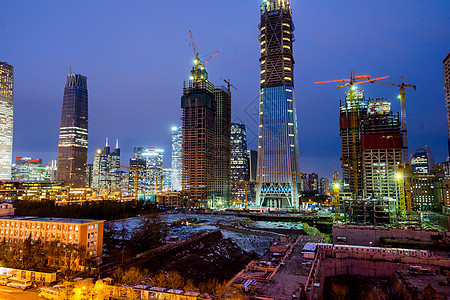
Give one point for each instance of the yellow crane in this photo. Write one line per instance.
(136, 170)
(294, 183)
(404, 168)
(351, 83)
(245, 182)
(336, 187)
(197, 61)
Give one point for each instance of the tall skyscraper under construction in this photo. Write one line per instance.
(354, 104)
(446, 66)
(381, 147)
(205, 175)
(73, 132)
(6, 119)
(278, 153)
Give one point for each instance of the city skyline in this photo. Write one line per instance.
(414, 50)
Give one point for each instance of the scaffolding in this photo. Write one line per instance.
(370, 211)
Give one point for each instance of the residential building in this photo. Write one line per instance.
(177, 142)
(278, 150)
(73, 132)
(239, 161)
(381, 147)
(6, 119)
(84, 234)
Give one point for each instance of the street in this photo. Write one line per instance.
(7, 293)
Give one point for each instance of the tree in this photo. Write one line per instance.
(174, 280)
(132, 276)
(159, 280)
(190, 286)
(303, 294)
(148, 235)
(429, 293)
(339, 292)
(376, 294)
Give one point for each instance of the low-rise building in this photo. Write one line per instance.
(86, 235)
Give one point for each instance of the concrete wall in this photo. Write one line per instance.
(363, 235)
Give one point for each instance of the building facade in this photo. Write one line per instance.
(73, 132)
(86, 235)
(278, 152)
(177, 140)
(446, 67)
(422, 161)
(153, 174)
(381, 146)
(240, 171)
(106, 174)
(27, 168)
(6, 119)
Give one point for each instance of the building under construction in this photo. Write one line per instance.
(206, 141)
(370, 211)
(355, 105)
(381, 146)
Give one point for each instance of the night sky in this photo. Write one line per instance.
(136, 55)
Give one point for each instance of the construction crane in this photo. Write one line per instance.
(136, 170)
(229, 85)
(161, 176)
(351, 83)
(294, 182)
(245, 182)
(404, 168)
(336, 187)
(197, 61)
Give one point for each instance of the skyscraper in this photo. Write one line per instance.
(278, 152)
(176, 158)
(381, 146)
(106, 176)
(446, 66)
(198, 157)
(153, 173)
(422, 161)
(6, 119)
(73, 132)
(239, 160)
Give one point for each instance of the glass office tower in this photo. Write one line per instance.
(6, 119)
(278, 153)
(73, 132)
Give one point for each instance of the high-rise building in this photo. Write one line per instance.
(422, 160)
(381, 146)
(446, 66)
(351, 158)
(31, 169)
(153, 173)
(278, 152)
(177, 140)
(106, 176)
(222, 148)
(6, 119)
(137, 176)
(198, 120)
(239, 161)
(73, 132)
(252, 156)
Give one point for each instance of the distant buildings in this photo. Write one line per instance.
(239, 161)
(106, 174)
(6, 119)
(149, 164)
(278, 152)
(73, 132)
(26, 168)
(446, 67)
(422, 161)
(206, 141)
(177, 140)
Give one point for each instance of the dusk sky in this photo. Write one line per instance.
(136, 55)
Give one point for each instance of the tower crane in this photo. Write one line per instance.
(294, 183)
(404, 169)
(136, 170)
(351, 83)
(245, 182)
(197, 61)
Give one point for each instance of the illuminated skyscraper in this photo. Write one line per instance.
(6, 119)
(446, 65)
(106, 177)
(176, 158)
(422, 161)
(153, 158)
(239, 160)
(278, 152)
(73, 132)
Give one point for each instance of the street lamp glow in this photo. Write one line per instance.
(399, 176)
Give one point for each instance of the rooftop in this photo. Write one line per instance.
(49, 219)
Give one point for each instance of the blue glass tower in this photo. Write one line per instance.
(278, 153)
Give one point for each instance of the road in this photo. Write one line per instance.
(7, 293)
